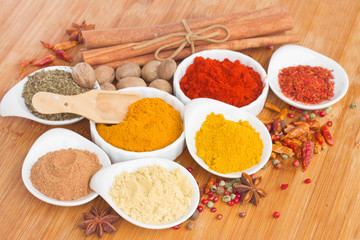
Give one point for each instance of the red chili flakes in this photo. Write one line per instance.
(306, 84)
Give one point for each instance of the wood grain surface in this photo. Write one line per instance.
(328, 208)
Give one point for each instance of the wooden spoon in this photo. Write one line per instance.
(100, 106)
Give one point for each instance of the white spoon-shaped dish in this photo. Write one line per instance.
(293, 55)
(195, 114)
(13, 103)
(103, 180)
(53, 140)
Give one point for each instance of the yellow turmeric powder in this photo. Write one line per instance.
(227, 146)
(149, 125)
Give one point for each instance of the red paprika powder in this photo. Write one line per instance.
(226, 81)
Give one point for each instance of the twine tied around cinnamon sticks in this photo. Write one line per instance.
(189, 38)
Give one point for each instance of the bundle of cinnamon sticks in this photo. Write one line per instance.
(248, 29)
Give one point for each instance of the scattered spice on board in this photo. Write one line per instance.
(152, 194)
(65, 174)
(150, 124)
(249, 189)
(227, 146)
(94, 221)
(306, 84)
(226, 81)
(54, 81)
(74, 31)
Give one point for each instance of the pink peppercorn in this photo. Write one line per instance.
(176, 227)
(316, 111)
(231, 203)
(296, 163)
(200, 208)
(219, 216)
(276, 214)
(238, 195)
(300, 111)
(290, 115)
(329, 123)
(190, 169)
(236, 200)
(307, 181)
(292, 108)
(213, 209)
(322, 114)
(307, 116)
(216, 198)
(284, 186)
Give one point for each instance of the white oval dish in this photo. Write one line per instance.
(53, 140)
(255, 107)
(195, 114)
(169, 152)
(293, 55)
(103, 180)
(13, 103)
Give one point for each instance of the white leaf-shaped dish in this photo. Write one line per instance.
(53, 140)
(195, 114)
(103, 180)
(293, 55)
(13, 103)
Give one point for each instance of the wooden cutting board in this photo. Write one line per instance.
(328, 208)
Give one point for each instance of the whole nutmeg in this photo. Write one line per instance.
(167, 69)
(107, 86)
(190, 226)
(150, 71)
(104, 74)
(162, 85)
(84, 75)
(130, 82)
(195, 215)
(128, 70)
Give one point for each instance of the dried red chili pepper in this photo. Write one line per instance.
(294, 147)
(275, 137)
(271, 106)
(282, 113)
(66, 45)
(266, 121)
(282, 150)
(276, 126)
(63, 55)
(273, 155)
(307, 150)
(317, 146)
(209, 183)
(25, 62)
(310, 85)
(314, 124)
(46, 60)
(298, 131)
(297, 141)
(302, 138)
(47, 45)
(288, 128)
(268, 127)
(327, 135)
(320, 138)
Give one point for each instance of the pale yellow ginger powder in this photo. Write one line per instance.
(153, 194)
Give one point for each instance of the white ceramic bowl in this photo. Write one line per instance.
(53, 140)
(195, 114)
(170, 152)
(255, 107)
(293, 55)
(103, 180)
(13, 103)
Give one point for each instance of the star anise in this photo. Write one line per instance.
(98, 222)
(249, 190)
(75, 31)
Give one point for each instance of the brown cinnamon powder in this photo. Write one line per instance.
(65, 174)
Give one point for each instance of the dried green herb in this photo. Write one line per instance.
(53, 81)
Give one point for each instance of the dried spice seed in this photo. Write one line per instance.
(310, 85)
(353, 105)
(284, 186)
(242, 214)
(307, 181)
(176, 227)
(190, 169)
(312, 115)
(200, 208)
(329, 123)
(296, 163)
(213, 209)
(276, 214)
(190, 226)
(219, 216)
(205, 201)
(290, 115)
(322, 114)
(292, 108)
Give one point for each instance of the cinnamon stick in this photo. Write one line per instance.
(249, 28)
(110, 37)
(230, 45)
